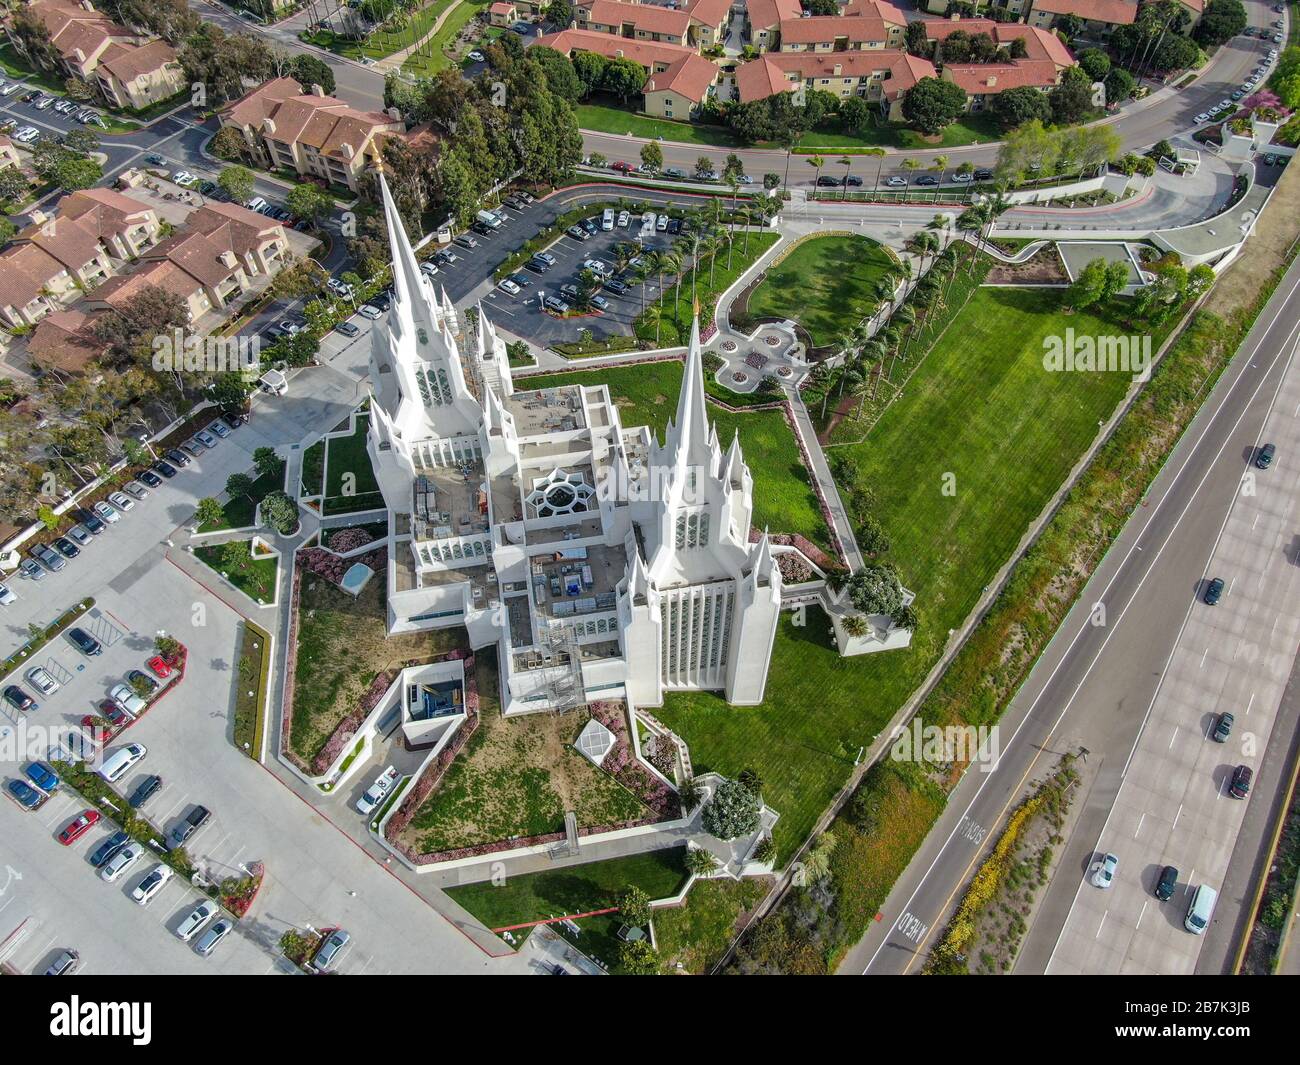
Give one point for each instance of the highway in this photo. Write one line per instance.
(1095, 685)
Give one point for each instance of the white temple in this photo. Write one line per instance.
(601, 563)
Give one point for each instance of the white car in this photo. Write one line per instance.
(506, 285)
(961, 178)
(185, 179)
(214, 935)
(367, 311)
(122, 501)
(597, 266)
(127, 700)
(1204, 116)
(256, 203)
(1103, 871)
(6, 596)
(42, 681)
(121, 862)
(106, 511)
(195, 920)
(621, 222)
(152, 884)
(476, 56)
(136, 489)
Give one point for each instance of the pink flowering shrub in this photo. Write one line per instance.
(342, 541)
(326, 564)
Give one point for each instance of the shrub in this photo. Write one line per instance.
(732, 812)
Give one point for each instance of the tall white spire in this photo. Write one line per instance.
(689, 435)
(408, 282)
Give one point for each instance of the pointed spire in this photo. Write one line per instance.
(448, 310)
(638, 580)
(763, 563)
(486, 334)
(692, 422)
(406, 271)
(732, 470)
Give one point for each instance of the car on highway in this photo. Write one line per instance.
(78, 827)
(20, 700)
(1239, 786)
(894, 181)
(43, 776)
(1103, 871)
(1264, 459)
(962, 178)
(25, 795)
(1214, 591)
(828, 182)
(154, 882)
(108, 848)
(42, 680)
(1222, 728)
(196, 919)
(213, 936)
(84, 642)
(1166, 883)
(927, 179)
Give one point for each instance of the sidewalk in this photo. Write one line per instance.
(394, 61)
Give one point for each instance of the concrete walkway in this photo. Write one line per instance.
(394, 61)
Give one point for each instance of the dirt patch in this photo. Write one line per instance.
(1279, 227)
(1043, 268)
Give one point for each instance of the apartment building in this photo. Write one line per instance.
(880, 76)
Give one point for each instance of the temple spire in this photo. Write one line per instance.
(406, 271)
(691, 426)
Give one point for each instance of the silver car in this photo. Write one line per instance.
(196, 919)
(208, 941)
(42, 681)
(331, 951)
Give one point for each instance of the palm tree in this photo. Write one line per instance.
(847, 163)
(910, 165)
(788, 140)
(858, 378)
(816, 162)
(995, 207)
(874, 354)
(649, 265)
(670, 262)
(941, 224)
(940, 164)
(903, 316)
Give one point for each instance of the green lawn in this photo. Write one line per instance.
(240, 511)
(382, 43)
(673, 309)
(825, 283)
(350, 479)
(610, 118)
(16, 67)
(254, 577)
(313, 469)
(647, 395)
(981, 407)
(432, 56)
(697, 933)
(574, 889)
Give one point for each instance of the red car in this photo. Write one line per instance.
(112, 713)
(79, 826)
(158, 667)
(622, 167)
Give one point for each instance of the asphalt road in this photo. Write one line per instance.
(1094, 684)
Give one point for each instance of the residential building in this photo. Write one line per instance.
(678, 79)
(57, 257)
(880, 76)
(709, 21)
(1041, 67)
(597, 561)
(210, 263)
(314, 135)
(763, 20)
(132, 70)
(503, 13)
(1100, 17)
(8, 154)
(635, 21)
(64, 342)
(864, 24)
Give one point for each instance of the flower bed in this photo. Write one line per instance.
(237, 895)
(345, 540)
(325, 563)
(621, 763)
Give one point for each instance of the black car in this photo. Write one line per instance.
(983, 174)
(234, 420)
(347, 329)
(481, 228)
(1213, 591)
(536, 266)
(853, 180)
(828, 182)
(1167, 883)
(616, 286)
(66, 547)
(148, 788)
(1222, 728)
(522, 280)
(1265, 457)
(105, 851)
(85, 643)
(155, 160)
(90, 520)
(381, 300)
(674, 225)
(149, 477)
(1239, 787)
(177, 457)
(19, 699)
(927, 179)
(590, 225)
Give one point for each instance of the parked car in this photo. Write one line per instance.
(465, 241)
(65, 547)
(165, 468)
(552, 303)
(25, 795)
(121, 862)
(84, 642)
(600, 303)
(108, 848)
(347, 329)
(127, 700)
(48, 558)
(78, 827)
(205, 438)
(927, 179)
(536, 266)
(177, 457)
(196, 919)
(121, 501)
(213, 936)
(894, 181)
(148, 788)
(616, 286)
(148, 477)
(31, 570)
(138, 679)
(43, 776)
(90, 520)
(159, 667)
(368, 311)
(41, 679)
(19, 699)
(154, 882)
(7, 597)
(136, 489)
(331, 952)
(220, 428)
(577, 233)
(193, 821)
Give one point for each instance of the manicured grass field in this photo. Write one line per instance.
(240, 511)
(350, 479)
(610, 118)
(574, 889)
(825, 284)
(981, 407)
(431, 57)
(382, 43)
(647, 395)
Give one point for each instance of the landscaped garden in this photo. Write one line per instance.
(517, 776)
(696, 934)
(784, 500)
(240, 510)
(342, 645)
(825, 284)
(350, 483)
(234, 560)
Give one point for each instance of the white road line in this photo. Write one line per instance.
(1142, 819)
(1176, 817)
(1101, 924)
(1140, 916)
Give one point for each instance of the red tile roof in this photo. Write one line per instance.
(610, 45)
(769, 73)
(324, 122)
(982, 79)
(690, 76)
(767, 14)
(879, 8)
(64, 341)
(1115, 12)
(709, 12)
(648, 17)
